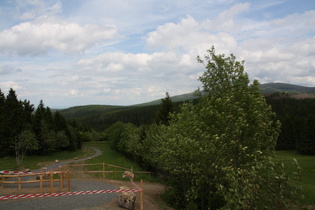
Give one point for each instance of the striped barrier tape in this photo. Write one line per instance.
(43, 195)
(90, 164)
(83, 164)
(16, 172)
(21, 173)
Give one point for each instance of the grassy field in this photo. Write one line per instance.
(112, 157)
(8, 163)
(307, 163)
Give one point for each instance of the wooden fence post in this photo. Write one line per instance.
(141, 195)
(51, 182)
(41, 182)
(19, 180)
(61, 180)
(2, 182)
(68, 177)
(103, 170)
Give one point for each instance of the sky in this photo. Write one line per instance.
(124, 52)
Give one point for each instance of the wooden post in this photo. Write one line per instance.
(68, 177)
(141, 195)
(2, 182)
(19, 180)
(103, 170)
(51, 182)
(61, 180)
(41, 182)
(115, 173)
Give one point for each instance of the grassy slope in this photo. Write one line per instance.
(8, 163)
(307, 163)
(110, 156)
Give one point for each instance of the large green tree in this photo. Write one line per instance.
(223, 143)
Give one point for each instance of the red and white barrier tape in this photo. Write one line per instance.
(16, 172)
(42, 195)
(88, 164)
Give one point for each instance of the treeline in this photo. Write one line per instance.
(297, 117)
(40, 131)
(136, 115)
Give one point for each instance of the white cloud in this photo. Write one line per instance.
(190, 36)
(48, 33)
(5, 86)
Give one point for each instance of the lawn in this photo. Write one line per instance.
(307, 163)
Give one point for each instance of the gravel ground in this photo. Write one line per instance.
(67, 202)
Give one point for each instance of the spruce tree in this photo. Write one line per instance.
(163, 113)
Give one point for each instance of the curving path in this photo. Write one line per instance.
(66, 202)
(56, 165)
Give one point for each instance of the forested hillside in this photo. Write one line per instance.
(296, 114)
(297, 117)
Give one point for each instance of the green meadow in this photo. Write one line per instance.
(307, 163)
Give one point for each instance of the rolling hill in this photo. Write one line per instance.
(97, 113)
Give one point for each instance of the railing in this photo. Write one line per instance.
(102, 169)
(40, 178)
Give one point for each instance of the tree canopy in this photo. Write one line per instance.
(217, 153)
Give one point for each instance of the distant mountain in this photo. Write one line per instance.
(178, 98)
(287, 88)
(268, 88)
(81, 111)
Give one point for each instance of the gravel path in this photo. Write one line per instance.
(67, 202)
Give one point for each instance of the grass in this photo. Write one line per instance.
(307, 163)
(8, 163)
(112, 157)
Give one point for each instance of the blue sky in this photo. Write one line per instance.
(124, 52)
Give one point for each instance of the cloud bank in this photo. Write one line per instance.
(83, 56)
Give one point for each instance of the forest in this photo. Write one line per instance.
(297, 117)
(26, 130)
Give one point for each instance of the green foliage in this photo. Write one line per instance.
(23, 142)
(213, 149)
(166, 108)
(264, 186)
(297, 117)
(306, 162)
(19, 125)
